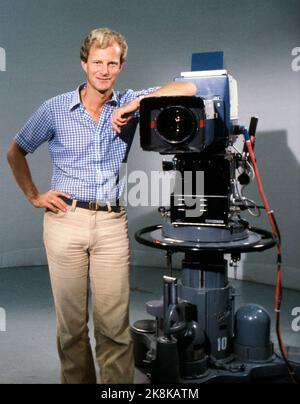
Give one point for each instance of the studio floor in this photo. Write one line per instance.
(27, 346)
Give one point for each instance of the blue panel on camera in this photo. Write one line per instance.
(208, 61)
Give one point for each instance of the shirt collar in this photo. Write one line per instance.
(75, 101)
(114, 98)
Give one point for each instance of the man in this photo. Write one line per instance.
(85, 234)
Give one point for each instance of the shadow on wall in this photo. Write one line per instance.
(280, 174)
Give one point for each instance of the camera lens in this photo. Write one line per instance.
(176, 124)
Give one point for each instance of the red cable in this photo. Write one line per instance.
(260, 188)
(278, 278)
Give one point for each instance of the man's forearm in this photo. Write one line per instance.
(50, 200)
(175, 88)
(170, 89)
(19, 166)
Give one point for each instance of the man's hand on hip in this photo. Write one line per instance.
(50, 200)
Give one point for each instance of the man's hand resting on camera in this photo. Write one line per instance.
(121, 116)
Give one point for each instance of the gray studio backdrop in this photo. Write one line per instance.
(39, 58)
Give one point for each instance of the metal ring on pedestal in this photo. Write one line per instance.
(258, 240)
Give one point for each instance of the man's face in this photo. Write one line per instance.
(103, 67)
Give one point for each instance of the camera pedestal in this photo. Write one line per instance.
(197, 332)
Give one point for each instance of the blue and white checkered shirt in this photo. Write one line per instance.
(86, 155)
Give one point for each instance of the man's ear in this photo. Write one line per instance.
(83, 65)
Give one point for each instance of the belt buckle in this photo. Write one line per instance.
(93, 205)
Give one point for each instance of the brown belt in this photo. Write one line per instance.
(95, 205)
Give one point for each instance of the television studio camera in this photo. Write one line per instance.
(196, 336)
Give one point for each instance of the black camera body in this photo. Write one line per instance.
(184, 124)
(179, 124)
(197, 130)
(173, 124)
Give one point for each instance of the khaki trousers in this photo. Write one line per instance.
(90, 249)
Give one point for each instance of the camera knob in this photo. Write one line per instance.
(168, 165)
(162, 210)
(244, 179)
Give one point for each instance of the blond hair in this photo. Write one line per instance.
(102, 38)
